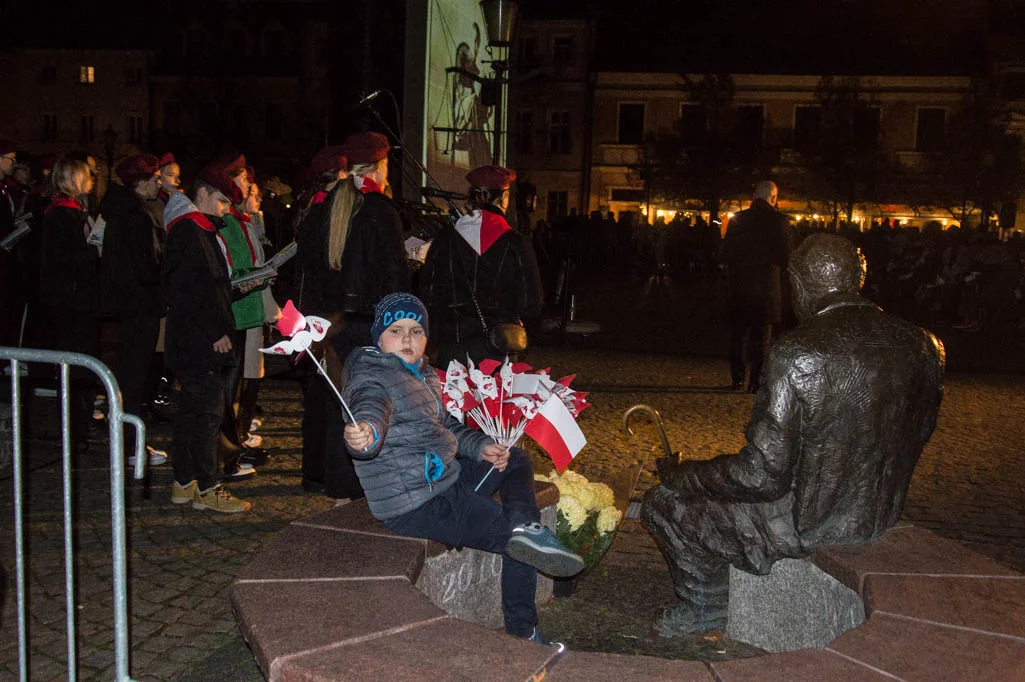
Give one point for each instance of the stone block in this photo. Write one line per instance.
(581, 666)
(467, 583)
(796, 606)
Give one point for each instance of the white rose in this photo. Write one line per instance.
(573, 511)
(608, 519)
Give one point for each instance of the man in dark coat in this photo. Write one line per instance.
(755, 255)
(849, 399)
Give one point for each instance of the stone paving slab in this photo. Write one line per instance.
(307, 553)
(442, 649)
(283, 619)
(578, 666)
(797, 666)
(923, 652)
(985, 605)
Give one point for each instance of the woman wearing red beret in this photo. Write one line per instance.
(480, 274)
(352, 254)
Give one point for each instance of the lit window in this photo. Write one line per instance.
(87, 74)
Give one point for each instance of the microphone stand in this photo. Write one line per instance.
(453, 210)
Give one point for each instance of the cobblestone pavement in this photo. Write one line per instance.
(968, 486)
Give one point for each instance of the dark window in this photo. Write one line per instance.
(866, 128)
(631, 124)
(558, 204)
(807, 129)
(133, 76)
(135, 129)
(274, 44)
(85, 133)
(635, 196)
(559, 139)
(50, 126)
(172, 118)
(195, 43)
(1014, 86)
(274, 121)
(750, 125)
(931, 132)
(237, 43)
(692, 124)
(48, 76)
(527, 53)
(524, 133)
(562, 51)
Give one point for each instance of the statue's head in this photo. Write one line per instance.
(822, 267)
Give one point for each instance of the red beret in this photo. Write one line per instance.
(328, 159)
(219, 180)
(251, 175)
(7, 146)
(229, 164)
(365, 147)
(491, 177)
(138, 167)
(166, 159)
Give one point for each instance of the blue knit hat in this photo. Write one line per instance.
(395, 307)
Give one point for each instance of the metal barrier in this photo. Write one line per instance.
(116, 417)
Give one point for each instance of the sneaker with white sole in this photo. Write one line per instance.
(154, 457)
(183, 494)
(255, 424)
(538, 638)
(536, 545)
(254, 440)
(219, 500)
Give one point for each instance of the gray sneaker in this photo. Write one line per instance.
(538, 638)
(535, 545)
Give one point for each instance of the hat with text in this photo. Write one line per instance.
(395, 307)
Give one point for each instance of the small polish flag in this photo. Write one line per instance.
(481, 229)
(555, 430)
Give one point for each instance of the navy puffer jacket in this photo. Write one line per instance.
(417, 438)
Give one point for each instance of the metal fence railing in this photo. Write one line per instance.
(116, 417)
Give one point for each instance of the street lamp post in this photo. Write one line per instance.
(500, 20)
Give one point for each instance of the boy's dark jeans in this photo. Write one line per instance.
(460, 517)
(197, 424)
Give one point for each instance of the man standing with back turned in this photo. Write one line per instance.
(755, 255)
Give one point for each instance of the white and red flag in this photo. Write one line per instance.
(481, 229)
(555, 429)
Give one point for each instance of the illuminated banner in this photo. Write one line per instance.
(447, 125)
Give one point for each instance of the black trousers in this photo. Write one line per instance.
(136, 343)
(77, 332)
(194, 436)
(749, 325)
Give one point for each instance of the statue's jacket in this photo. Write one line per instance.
(848, 400)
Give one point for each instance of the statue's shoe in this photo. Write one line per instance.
(684, 620)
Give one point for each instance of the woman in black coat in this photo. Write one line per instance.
(479, 274)
(352, 254)
(69, 270)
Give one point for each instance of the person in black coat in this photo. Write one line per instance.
(755, 255)
(352, 254)
(69, 285)
(198, 339)
(132, 294)
(479, 273)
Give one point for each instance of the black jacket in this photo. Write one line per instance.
(505, 280)
(755, 252)
(373, 262)
(132, 245)
(198, 293)
(69, 267)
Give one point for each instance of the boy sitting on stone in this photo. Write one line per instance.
(419, 466)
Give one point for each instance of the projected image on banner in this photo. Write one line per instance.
(459, 125)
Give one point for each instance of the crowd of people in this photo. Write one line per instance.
(166, 281)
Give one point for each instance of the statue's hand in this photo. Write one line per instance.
(668, 469)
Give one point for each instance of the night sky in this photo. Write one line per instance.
(781, 36)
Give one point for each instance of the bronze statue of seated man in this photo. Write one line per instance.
(847, 401)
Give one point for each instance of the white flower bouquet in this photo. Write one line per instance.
(587, 515)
